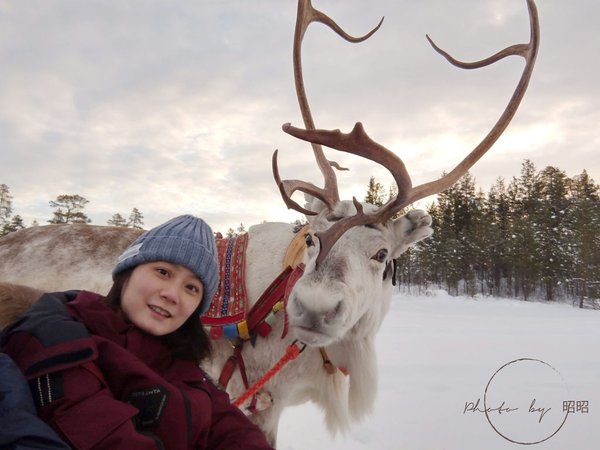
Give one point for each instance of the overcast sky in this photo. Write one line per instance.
(176, 106)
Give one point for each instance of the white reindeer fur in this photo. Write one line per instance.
(69, 257)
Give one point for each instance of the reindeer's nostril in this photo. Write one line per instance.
(333, 313)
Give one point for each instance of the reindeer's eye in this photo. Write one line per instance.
(309, 240)
(381, 255)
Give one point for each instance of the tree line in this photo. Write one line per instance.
(68, 208)
(536, 237)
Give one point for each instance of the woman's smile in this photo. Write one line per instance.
(159, 311)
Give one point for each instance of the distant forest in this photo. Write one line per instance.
(68, 208)
(537, 237)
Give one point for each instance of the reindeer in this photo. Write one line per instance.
(336, 307)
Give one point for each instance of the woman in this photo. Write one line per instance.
(121, 371)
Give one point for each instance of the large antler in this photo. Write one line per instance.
(359, 143)
(329, 193)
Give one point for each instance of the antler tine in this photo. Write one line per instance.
(329, 194)
(529, 53)
(358, 143)
(288, 187)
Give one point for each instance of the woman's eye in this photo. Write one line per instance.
(381, 255)
(162, 271)
(309, 240)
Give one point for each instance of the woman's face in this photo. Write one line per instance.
(159, 297)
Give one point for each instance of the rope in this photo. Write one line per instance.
(291, 353)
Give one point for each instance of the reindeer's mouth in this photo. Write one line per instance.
(311, 336)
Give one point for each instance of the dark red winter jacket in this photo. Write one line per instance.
(101, 383)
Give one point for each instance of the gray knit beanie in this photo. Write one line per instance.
(184, 240)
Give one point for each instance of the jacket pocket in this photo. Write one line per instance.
(90, 421)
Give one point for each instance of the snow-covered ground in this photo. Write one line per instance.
(438, 354)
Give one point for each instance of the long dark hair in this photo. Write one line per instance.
(190, 341)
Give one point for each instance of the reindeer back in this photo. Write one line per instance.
(14, 300)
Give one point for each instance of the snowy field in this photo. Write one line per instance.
(437, 356)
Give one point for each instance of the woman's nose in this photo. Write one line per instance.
(170, 293)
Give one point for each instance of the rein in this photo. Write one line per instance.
(291, 353)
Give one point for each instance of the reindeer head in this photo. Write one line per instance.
(351, 245)
(350, 290)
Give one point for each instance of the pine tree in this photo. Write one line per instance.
(136, 219)
(553, 230)
(431, 250)
(447, 243)
(481, 248)
(525, 194)
(117, 220)
(459, 211)
(585, 215)
(241, 229)
(375, 193)
(5, 209)
(497, 239)
(15, 224)
(69, 209)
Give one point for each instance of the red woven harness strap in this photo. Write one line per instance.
(234, 361)
(263, 306)
(242, 365)
(293, 277)
(267, 300)
(227, 371)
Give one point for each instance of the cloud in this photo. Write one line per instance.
(177, 107)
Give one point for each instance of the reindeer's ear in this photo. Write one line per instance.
(313, 203)
(409, 229)
(316, 205)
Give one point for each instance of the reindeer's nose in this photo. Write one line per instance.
(314, 318)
